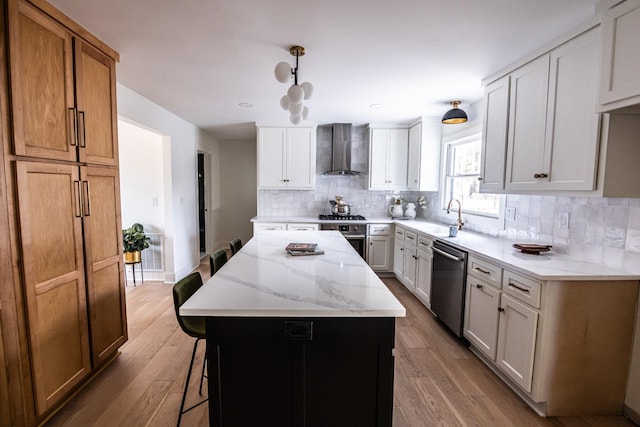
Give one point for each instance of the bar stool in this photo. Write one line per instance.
(235, 245)
(192, 326)
(217, 260)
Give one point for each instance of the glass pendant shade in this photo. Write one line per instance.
(282, 72)
(295, 94)
(454, 115)
(308, 89)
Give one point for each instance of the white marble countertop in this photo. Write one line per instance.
(262, 280)
(546, 266)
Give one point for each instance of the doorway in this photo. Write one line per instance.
(202, 205)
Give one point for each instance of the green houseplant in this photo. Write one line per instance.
(133, 242)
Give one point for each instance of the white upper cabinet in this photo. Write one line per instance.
(494, 136)
(424, 156)
(388, 154)
(620, 73)
(553, 126)
(286, 158)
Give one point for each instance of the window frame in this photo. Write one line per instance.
(470, 133)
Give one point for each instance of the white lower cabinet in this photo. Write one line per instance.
(481, 316)
(398, 252)
(517, 341)
(303, 227)
(379, 246)
(423, 276)
(410, 255)
(536, 335)
(259, 227)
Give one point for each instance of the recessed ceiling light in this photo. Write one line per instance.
(375, 106)
(245, 104)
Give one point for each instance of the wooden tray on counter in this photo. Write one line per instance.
(531, 248)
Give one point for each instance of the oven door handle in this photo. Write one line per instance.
(455, 258)
(354, 236)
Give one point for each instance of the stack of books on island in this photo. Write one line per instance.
(303, 249)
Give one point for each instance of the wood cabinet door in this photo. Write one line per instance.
(54, 278)
(301, 158)
(517, 341)
(103, 253)
(481, 316)
(96, 103)
(494, 137)
(42, 93)
(271, 158)
(527, 121)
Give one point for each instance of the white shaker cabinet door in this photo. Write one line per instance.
(398, 158)
(517, 341)
(481, 316)
(494, 137)
(271, 157)
(301, 158)
(528, 104)
(571, 142)
(620, 72)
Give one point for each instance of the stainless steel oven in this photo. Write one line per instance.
(356, 234)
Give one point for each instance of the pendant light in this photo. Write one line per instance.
(454, 115)
(292, 101)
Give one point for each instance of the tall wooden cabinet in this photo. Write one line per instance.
(66, 312)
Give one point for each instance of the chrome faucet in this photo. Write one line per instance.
(459, 222)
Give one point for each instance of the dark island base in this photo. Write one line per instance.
(300, 371)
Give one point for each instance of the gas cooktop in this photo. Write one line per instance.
(341, 217)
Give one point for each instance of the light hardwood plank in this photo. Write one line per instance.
(438, 381)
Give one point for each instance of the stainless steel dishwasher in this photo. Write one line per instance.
(448, 285)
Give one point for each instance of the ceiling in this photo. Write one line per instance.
(201, 58)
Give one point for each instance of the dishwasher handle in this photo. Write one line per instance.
(443, 253)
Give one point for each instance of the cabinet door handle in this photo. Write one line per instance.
(402, 249)
(78, 201)
(478, 285)
(481, 270)
(81, 133)
(479, 178)
(540, 175)
(86, 196)
(521, 289)
(72, 125)
(501, 310)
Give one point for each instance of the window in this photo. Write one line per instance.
(462, 169)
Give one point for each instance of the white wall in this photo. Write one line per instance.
(181, 142)
(141, 176)
(238, 194)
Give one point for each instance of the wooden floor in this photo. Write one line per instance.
(438, 381)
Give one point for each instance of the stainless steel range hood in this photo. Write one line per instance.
(341, 150)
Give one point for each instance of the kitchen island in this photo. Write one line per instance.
(298, 340)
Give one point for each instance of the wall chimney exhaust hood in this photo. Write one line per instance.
(341, 150)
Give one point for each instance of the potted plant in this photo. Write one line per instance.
(133, 242)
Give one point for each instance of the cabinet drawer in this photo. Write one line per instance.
(379, 229)
(425, 243)
(400, 234)
(485, 270)
(523, 288)
(303, 227)
(268, 226)
(410, 239)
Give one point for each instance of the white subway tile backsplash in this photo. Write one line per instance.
(600, 230)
